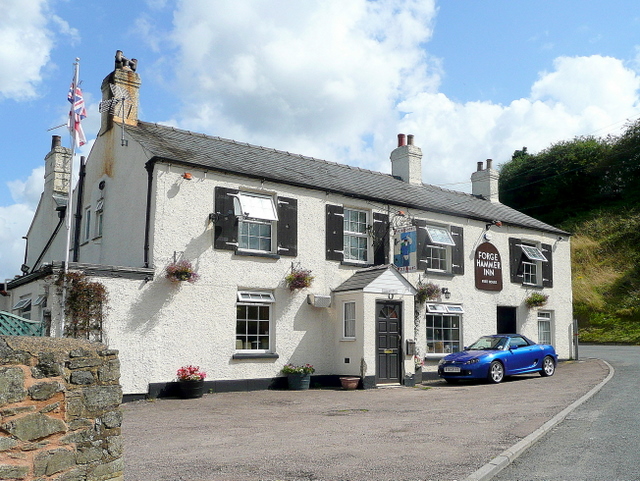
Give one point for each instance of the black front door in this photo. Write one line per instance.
(506, 320)
(389, 355)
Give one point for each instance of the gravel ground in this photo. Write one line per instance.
(434, 431)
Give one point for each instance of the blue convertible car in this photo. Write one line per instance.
(497, 356)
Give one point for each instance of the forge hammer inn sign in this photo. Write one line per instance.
(488, 268)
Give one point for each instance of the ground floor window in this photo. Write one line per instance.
(544, 327)
(253, 321)
(443, 333)
(349, 320)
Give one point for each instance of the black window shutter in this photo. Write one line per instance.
(335, 232)
(380, 239)
(457, 251)
(287, 226)
(421, 233)
(547, 267)
(226, 223)
(515, 260)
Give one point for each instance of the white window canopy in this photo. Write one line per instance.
(41, 299)
(255, 206)
(445, 308)
(533, 253)
(246, 296)
(440, 236)
(436, 308)
(22, 304)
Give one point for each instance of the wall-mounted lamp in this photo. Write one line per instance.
(187, 176)
(446, 293)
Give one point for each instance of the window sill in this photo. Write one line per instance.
(439, 273)
(355, 264)
(348, 339)
(256, 355)
(269, 255)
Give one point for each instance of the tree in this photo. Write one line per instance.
(557, 182)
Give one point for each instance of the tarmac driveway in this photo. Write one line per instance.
(434, 431)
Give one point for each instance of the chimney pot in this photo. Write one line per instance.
(489, 163)
(410, 139)
(479, 169)
(55, 141)
(401, 140)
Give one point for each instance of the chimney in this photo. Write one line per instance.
(484, 182)
(406, 161)
(57, 171)
(120, 93)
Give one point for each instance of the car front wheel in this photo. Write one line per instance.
(548, 367)
(496, 372)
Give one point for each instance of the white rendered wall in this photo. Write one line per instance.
(159, 326)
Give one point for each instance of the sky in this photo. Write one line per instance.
(332, 79)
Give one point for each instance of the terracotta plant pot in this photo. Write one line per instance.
(349, 383)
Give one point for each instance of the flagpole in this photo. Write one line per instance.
(72, 131)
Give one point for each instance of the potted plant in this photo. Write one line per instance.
(181, 271)
(427, 292)
(536, 300)
(191, 381)
(298, 377)
(299, 278)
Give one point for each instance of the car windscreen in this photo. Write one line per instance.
(488, 343)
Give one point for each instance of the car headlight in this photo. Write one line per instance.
(473, 361)
(442, 361)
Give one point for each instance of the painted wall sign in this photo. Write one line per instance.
(488, 267)
(404, 256)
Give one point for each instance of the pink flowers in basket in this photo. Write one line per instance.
(190, 373)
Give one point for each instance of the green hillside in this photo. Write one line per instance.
(590, 187)
(606, 274)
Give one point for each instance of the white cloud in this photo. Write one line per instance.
(14, 222)
(583, 95)
(339, 80)
(28, 192)
(25, 44)
(312, 77)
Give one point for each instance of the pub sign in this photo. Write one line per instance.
(488, 268)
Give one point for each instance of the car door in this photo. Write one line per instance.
(523, 356)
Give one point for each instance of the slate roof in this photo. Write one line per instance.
(214, 153)
(362, 278)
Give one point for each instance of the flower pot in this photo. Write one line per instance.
(349, 383)
(191, 389)
(418, 376)
(299, 382)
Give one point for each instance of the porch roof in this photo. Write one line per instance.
(378, 279)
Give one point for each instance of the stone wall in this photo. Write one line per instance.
(60, 411)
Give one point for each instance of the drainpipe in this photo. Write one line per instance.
(62, 210)
(76, 234)
(147, 222)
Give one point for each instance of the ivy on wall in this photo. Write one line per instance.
(84, 305)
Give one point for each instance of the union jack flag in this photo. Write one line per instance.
(76, 114)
